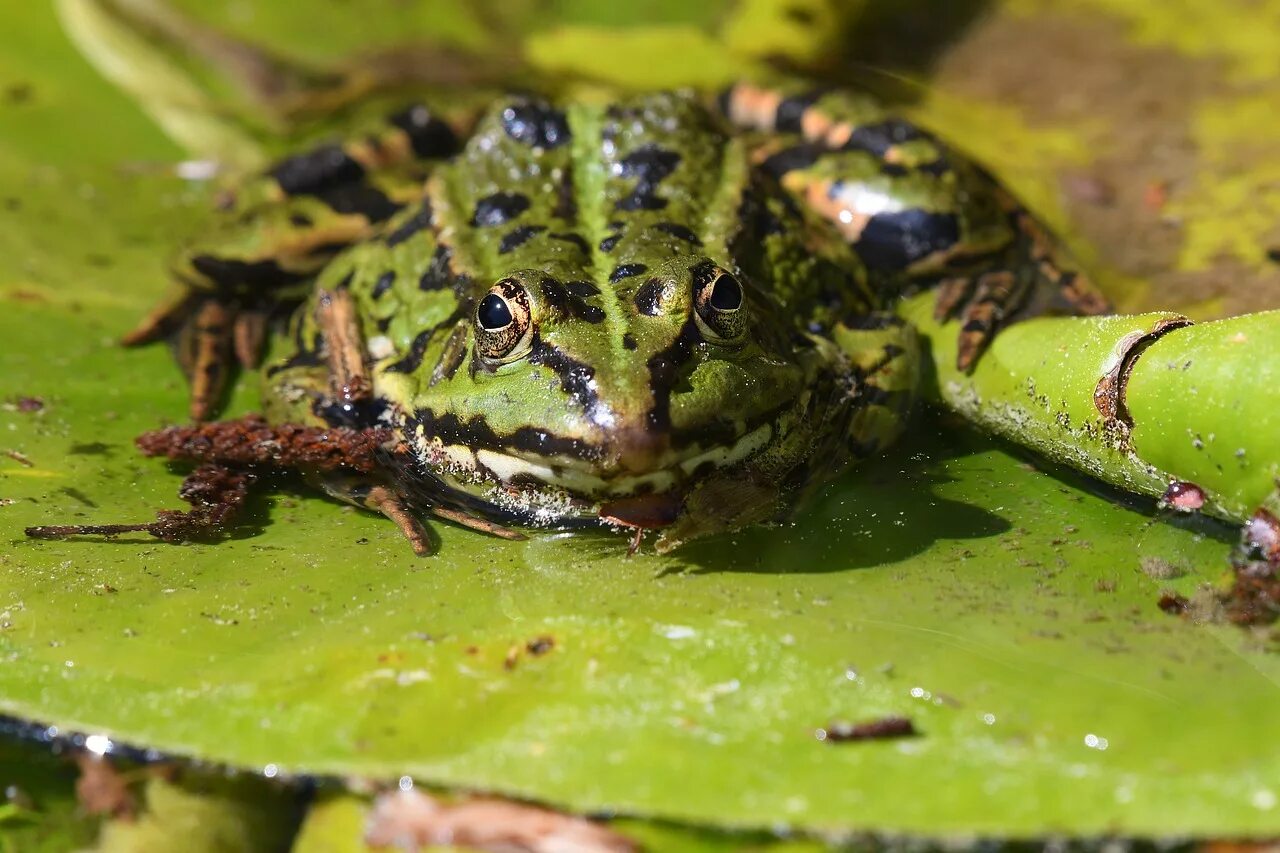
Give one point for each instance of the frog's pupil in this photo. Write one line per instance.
(726, 294)
(494, 313)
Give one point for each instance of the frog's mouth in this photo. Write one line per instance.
(633, 480)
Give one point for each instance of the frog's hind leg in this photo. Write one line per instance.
(915, 212)
(281, 229)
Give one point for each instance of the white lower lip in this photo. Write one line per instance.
(461, 460)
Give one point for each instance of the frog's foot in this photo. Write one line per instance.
(208, 334)
(1024, 279)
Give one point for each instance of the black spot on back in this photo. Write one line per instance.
(227, 272)
(428, 136)
(792, 158)
(536, 124)
(316, 170)
(893, 241)
(566, 205)
(649, 165)
(499, 208)
(629, 341)
(880, 137)
(518, 237)
(384, 283)
(791, 110)
(437, 276)
(584, 289)
(576, 239)
(420, 221)
(680, 232)
(626, 271)
(360, 199)
(607, 244)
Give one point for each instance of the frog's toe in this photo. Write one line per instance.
(249, 336)
(203, 347)
(996, 295)
(162, 321)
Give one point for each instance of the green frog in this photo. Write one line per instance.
(669, 312)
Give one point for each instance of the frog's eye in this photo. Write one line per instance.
(504, 330)
(718, 300)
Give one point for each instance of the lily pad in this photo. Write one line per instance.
(1003, 609)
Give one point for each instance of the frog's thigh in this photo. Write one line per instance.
(912, 208)
(884, 356)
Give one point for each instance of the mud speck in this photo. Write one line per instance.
(19, 93)
(882, 728)
(25, 405)
(540, 645)
(1173, 604)
(1160, 569)
(20, 458)
(92, 448)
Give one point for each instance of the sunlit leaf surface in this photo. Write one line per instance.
(1005, 610)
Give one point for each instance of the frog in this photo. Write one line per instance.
(665, 312)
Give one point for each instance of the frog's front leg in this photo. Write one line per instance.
(883, 362)
(915, 211)
(280, 229)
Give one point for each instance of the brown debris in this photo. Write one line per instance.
(20, 458)
(536, 647)
(1155, 196)
(1160, 569)
(252, 441)
(102, 790)
(882, 728)
(539, 646)
(1254, 597)
(25, 405)
(411, 820)
(1173, 603)
(215, 492)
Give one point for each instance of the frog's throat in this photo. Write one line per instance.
(478, 470)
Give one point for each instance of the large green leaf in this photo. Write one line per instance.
(1004, 609)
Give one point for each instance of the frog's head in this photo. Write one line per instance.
(640, 386)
